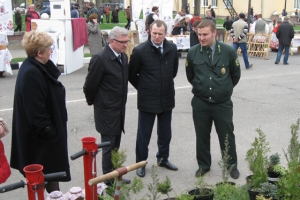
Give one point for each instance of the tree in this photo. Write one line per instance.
(197, 6)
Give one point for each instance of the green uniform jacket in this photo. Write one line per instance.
(215, 82)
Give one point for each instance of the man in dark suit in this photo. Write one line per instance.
(285, 34)
(106, 88)
(153, 66)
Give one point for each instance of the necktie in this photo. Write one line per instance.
(119, 58)
(160, 50)
(209, 53)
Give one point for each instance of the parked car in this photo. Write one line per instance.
(46, 8)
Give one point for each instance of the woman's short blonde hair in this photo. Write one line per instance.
(35, 41)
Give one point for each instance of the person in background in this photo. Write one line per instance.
(74, 12)
(274, 44)
(181, 24)
(179, 16)
(39, 126)
(128, 17)
(187, 9)
(151, 18)
(4, 165)
(210, 17)
(284, 13)
(152, 68)
(213, 14)
(193, 34)
(115, 15)
(228, 23)
(194, 18)
(91, 9)
(259, 26)
(107, 13)
(213, 70)
(251, 14)
(285, 34)
(106, 87)
(30, 14)
(18, 19)
(238, 33)
(101, 13)
(94, 35)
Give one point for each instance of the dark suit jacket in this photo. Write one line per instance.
(106, 88)
(152, 74)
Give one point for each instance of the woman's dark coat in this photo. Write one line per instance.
(39, 129)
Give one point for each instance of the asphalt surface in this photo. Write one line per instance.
(267, 96)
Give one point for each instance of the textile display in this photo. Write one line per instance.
(6, 19)
(182, 42)
(5, 58)
(3, 38)
(79, 30)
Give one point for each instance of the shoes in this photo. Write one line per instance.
(168, 165)
(250, 66)
(285, 63)
(140, 172)
(201, 172)
(276, 63)
(235, 174)
(126, 181)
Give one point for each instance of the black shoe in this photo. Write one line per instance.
(111, 182)
(250, 66)
(168, 165)
(285, 63)
(235, 174)
(141, 172)
(201, 172)
(126, 181)
(276, 63)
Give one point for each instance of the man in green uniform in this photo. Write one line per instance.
(213, 69)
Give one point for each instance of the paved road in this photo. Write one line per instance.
(267, 96)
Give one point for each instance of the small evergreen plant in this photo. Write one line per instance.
(224, 162)
(165, 187)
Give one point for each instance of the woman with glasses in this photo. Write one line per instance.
(94, 34)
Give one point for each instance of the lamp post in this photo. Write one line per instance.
(285, 5)
(248, 18)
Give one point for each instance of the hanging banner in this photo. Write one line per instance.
(6, 19)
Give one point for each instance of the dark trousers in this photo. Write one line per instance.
(164, 133)
(128, 24)
(107, 18)
(204, 114)
(115, 141)
(19, 27)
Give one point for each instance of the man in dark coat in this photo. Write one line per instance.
(153, 66)
(213, 70)
(106, 87)
(285, 34)
(92, 9)
(39, 128)
(194, 35)
(18, 20)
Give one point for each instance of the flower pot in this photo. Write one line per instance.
(207, 196)
(273, 177)
(229, 182)
(252, 194)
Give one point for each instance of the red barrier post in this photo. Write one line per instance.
(89, 165)
(35, 181)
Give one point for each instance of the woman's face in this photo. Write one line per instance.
(44, 56)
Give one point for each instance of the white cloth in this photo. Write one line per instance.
(5, 58)
(54, 55)
(182, 42)
(3, 38)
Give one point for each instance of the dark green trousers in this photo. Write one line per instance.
(204, 114)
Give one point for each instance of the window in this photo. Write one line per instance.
(297, 4)
(228, 3)
(204, 3)
(214, 3)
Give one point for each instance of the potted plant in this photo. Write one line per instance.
(152, 187)
(224, 163)
(165, 187)
(202, 190)
(224, 191)
(268, 190)
(274, 160)
(118, 158)
(288, 184)
(258, 163)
